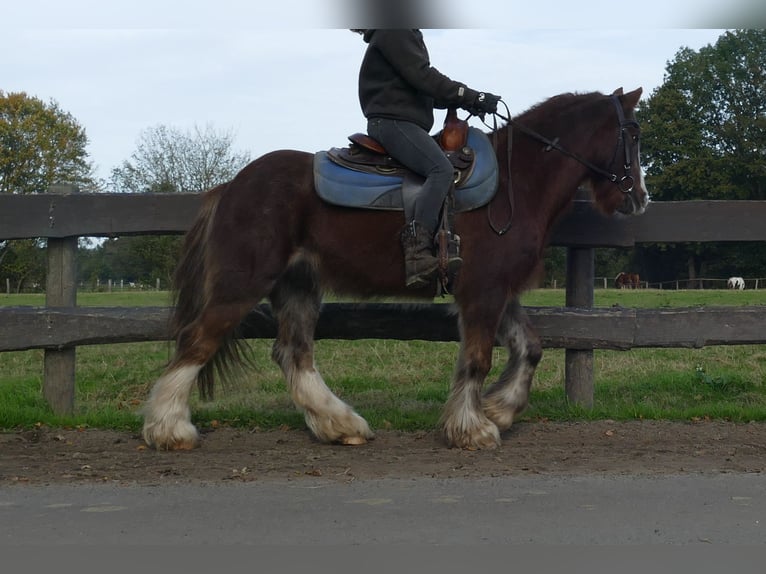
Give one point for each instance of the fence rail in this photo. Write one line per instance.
(678, 284)
(60, 326)
(106, 215)
(559, 327)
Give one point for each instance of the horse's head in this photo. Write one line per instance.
(621, 186)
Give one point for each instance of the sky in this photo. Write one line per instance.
(284, 74)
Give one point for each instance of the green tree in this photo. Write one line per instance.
(704, 137)
(23, 263)
(40, 145)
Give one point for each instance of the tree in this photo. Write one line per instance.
(704, 137)
(40, 145)
(170, 160)
(24, 264)
(166, 160)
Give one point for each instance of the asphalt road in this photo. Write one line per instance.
(722, 509)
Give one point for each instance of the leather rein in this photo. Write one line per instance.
(625, 183)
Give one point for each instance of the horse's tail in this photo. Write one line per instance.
(190, 291)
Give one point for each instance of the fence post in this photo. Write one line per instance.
(579, 293)
(60, 291)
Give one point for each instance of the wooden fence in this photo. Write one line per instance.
(61, 326)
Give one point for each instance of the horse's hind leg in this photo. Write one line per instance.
(296, 301)
(167, 417)
(508, 397)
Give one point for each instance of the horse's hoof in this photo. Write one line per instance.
(181, 445)
(173, 445)
(501, 417)
(482, 439)
(353, 440)
(349, 430)
(185, 438)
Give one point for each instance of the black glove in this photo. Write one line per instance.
(484, 103)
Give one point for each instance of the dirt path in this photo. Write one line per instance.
(46, 456)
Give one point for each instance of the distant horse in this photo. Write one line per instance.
(735, 283)
(627, 280)
(266, 234)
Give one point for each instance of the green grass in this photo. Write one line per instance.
(403, 384)
(94, 299)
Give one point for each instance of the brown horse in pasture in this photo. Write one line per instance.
(627, 281)
(267, 234)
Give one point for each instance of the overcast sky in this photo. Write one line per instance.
(283, 75)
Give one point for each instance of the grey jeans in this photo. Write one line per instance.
(416, 149)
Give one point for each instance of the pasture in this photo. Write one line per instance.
(403, 384)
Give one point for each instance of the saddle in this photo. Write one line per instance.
(361, 178)
(367, 155)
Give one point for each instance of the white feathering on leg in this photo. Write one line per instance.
(328, 417)
(167, 418)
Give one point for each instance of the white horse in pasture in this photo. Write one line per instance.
(735, 283)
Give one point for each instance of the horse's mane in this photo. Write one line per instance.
(554, 107)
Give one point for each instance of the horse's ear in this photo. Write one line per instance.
(617, 92)
(631, 98)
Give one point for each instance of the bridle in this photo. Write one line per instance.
(626, 183)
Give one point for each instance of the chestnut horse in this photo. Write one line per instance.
(266, 234)
(627, 280)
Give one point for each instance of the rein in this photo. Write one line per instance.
(625, 183)
(511, 203)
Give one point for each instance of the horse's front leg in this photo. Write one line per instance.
(464, 423)
(509, 396)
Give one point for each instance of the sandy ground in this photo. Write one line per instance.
(45, 456)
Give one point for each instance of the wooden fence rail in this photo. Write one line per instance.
(60, 326)
(560, 327)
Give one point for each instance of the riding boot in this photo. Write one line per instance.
(420, 264)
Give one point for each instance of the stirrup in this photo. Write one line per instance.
(448, 245)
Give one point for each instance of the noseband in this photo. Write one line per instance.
(626, 182)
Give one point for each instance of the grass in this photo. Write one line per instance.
(403, 384)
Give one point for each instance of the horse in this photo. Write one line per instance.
(735, 283)
(267, 235)
(627, 280)
(621, 281)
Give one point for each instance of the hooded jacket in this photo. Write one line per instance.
(397, 81)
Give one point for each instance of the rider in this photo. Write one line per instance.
(398, 91)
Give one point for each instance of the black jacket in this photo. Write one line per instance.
(397, 81)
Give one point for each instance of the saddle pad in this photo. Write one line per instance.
(345, 187)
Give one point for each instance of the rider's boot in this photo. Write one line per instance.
(420, 264)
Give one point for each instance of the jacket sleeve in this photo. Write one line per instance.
(404, 52)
